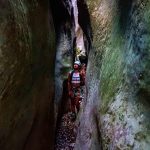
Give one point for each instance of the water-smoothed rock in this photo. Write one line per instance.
(119, 63)
(64, 58)
(26, 75)
(63, 20)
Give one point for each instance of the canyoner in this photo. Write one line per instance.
(75, 81)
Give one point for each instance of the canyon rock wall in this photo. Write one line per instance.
(64, 27)
(116, 112)
(26, 75)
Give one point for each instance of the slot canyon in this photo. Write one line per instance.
(40, 40)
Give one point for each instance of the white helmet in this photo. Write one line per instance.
(77, 62)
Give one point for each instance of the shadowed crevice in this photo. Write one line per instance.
(124, 9)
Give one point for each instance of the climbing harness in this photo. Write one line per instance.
(75, 78)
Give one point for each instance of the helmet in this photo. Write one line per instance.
(77, 62)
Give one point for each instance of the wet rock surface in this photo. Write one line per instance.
(116, 107)
(26, 75)
(119, 61)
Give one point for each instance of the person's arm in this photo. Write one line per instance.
(69, 83)
(82, 79)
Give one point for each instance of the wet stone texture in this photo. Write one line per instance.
(119, 60)
(26, 75)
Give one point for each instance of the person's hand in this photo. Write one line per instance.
(71, 94)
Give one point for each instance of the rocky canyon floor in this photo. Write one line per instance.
(66, 133)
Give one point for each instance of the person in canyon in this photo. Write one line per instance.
(75, 81)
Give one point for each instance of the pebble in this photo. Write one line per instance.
(65, 136)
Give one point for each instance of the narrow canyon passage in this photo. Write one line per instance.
(67, 121)
(44, 103)
(116, 50)
(115, 87)
(67, 125)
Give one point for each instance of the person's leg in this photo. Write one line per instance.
(77, 104)
(78, 99)
(73, 105)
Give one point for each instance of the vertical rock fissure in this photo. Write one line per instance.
(80, 48)
(71, 45)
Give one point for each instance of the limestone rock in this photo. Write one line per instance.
(26, 75)
(119, 63)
